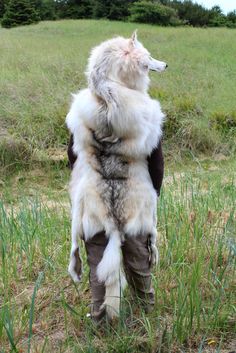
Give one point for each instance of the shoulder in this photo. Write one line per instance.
(83, 105)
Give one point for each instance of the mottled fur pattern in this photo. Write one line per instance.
(115, 125)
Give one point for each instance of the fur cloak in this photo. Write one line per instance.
(115, 129)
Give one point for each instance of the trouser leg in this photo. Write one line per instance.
(95, 248)
(136, 257)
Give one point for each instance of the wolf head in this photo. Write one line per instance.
(121, 60)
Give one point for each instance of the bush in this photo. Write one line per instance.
(184, 109)
(19, 12)
(186, 127)
(224, 122)
(13, 151)
(155, 13)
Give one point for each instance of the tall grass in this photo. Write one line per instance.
(41, 310)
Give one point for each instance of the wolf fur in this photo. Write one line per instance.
(115, 125)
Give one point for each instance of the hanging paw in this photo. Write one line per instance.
(154, 255)
(75, 266)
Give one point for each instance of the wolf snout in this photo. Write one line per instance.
(164, 65)
(156, 65)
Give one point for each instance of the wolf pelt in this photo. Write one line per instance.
(115, 125)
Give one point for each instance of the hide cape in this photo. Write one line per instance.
(110, 187)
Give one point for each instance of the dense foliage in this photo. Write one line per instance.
(161, 12)
(46, 9)
(154, 12)
(20, 12)
(73, 8)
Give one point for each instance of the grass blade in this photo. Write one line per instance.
(36, 287)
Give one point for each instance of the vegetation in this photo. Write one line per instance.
(41, 310)
(155, 13)
(161, 12)
(73, 9)
(46, 9)
(44, 63)
(20, 12)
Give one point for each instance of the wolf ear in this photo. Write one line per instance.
(134, 38)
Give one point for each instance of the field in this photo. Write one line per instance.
(41, 309)
(43, 63)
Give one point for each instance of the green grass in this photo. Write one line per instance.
(41, 64)
(41, 310)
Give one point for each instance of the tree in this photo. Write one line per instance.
(119, 10)
(231, 19)
(101, 8)
(232, 16)
(2, 8)
(216, 17)
(193, 13)
(46, 9)
(3, 4)
(74, 8)
(19, 12)
(112, 9)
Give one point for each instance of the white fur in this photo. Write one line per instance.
(117, 75)
(108, 271)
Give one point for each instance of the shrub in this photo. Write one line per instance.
(186, 127)
(19, 12)
(224, 122)
(13, 151)
(155, 13)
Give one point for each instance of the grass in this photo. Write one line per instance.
(42, 310)
(43, 63)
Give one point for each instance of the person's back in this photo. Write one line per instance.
(112, 188)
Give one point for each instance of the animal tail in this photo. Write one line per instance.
(109, 272)
(105, 89)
